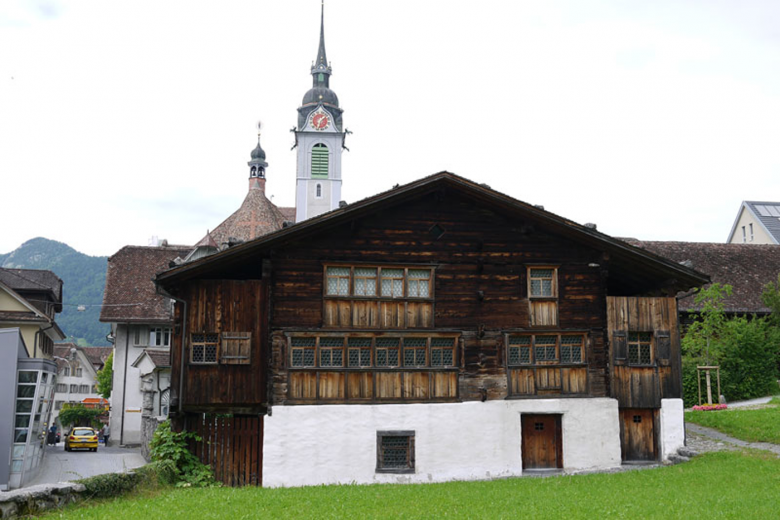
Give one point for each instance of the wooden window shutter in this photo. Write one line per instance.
(619, 346)
(236, 348)
(663, 344)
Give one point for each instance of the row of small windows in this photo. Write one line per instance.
(529, 349)
(367, 352)
(76, 389)
(143, 336)
(378, 282)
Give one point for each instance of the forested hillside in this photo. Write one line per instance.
(84, 278)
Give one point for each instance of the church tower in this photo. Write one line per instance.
(319, 138)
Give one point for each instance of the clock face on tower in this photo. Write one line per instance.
(320, 121)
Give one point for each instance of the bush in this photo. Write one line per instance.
(110, 484)
(170, 446)
(747, 363)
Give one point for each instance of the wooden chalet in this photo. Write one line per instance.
(437, 331)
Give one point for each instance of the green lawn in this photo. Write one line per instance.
(716, 485)
(760, 425)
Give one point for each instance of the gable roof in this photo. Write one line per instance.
(634, 265)
(130, 294)
(34, 280)
(746, 267)
(766, 213)
(32, 315)
(159, 358)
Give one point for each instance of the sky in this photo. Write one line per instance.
(120, 121)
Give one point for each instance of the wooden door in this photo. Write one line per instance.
(637, 435)
(541, 442)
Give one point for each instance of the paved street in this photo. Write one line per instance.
(61, 466)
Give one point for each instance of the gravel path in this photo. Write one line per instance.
(702, 439)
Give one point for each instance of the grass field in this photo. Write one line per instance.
(715, 485)
(757, 425)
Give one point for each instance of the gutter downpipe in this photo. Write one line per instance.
(124, 385)
(165, 293)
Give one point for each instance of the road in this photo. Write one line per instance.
(61, 466)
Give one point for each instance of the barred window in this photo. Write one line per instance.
(387, 352)
(571, 349)
(414, 352)
(302, 352)
(542, 282)
(545, 349)
(204, 347)
(395, 452)
(519, 350)
(640, 346)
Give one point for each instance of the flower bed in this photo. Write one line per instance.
(709, 407)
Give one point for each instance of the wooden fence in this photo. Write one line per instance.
(232, 446)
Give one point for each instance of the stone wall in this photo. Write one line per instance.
(148, 427)
(36, 499)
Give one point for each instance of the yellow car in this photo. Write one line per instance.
(82, 437)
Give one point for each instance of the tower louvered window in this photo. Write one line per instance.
(319, 161)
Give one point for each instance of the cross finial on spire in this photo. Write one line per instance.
(322, 60)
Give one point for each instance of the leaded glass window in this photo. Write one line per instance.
(365, 281)
(332, 352)
(395, 452)
(387, 352)
(338, 281)
(419, 283)
(302, 352)
(204, 347)
(541, 282)
(571, 349)
(640, 348)
(519, 350)
(545, 348)
(442, 352)
(393, 283)
(359, 352)
(414, 351)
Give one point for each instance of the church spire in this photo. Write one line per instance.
(320, 70)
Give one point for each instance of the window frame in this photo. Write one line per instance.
(319, 164)
(638, 343)
(378, 295)
(532, 346)
(553, 280)
(203, 344)
(410, 453)
(400, 350)
(156, 332)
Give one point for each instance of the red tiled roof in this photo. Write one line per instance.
(256, 217)
(130, 293)
(746, 267)
(288, 213)
(161, 358)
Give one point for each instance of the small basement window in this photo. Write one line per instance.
(395, 452)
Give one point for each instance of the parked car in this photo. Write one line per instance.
(81, 437)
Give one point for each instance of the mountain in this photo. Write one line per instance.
(84, 278)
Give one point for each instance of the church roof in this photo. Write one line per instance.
(256, 217)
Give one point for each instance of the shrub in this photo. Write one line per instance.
(110, 484)
(171, 446)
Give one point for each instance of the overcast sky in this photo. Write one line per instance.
(124, 120)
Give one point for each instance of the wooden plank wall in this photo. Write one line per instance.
(232, 446)
(480, 284)
(644, 386)
(226, 306)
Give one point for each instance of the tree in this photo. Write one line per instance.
(105, 377)
(703, 337)
(80, 415)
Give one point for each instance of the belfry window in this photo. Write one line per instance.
(319, 161)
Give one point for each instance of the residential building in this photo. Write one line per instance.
(77, 369)
(141, 321)
(756, 223)
(386, 340)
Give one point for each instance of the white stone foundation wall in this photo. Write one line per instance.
(336, 444)
(672, 426)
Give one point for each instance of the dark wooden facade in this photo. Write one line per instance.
(493, 299)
